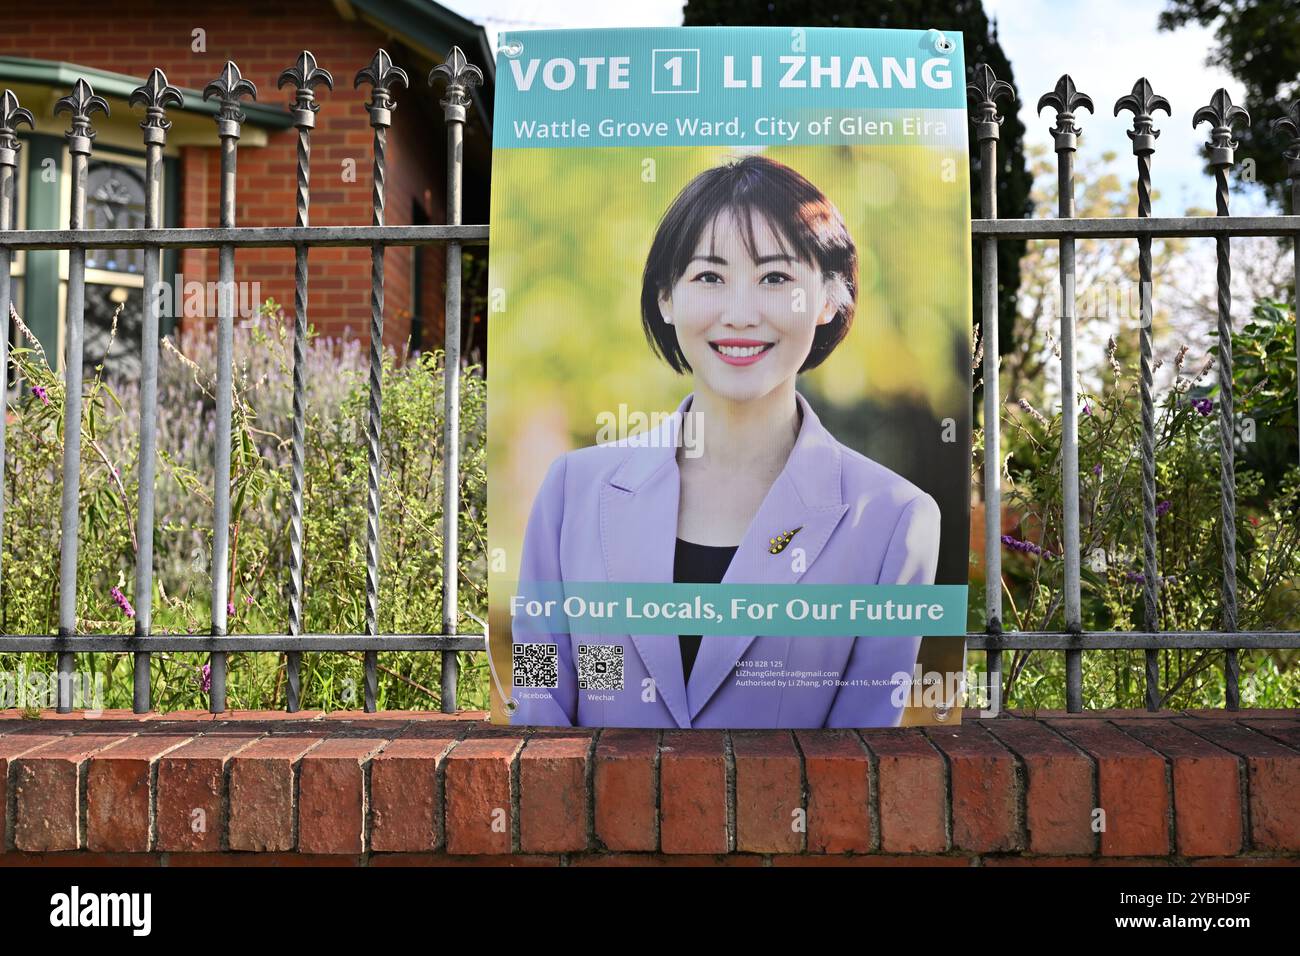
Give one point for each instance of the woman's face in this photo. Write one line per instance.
(745, 323)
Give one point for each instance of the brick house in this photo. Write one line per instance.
(115, 46)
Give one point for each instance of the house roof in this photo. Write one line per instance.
(432, 29)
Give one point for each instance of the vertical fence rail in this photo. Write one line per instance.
(381, 74)
(11, 116)
(1222, 115)
(1143, 101)
(1065, 99)
(986, 90)
(1289, 124)
(155, 95)
(82, 104)
(228, 88)
(303, 75)
(459, 75)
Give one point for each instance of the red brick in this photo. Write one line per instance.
(912, 791)
(47, 785)
(1132, 788)
(985, 790)
(479, 814)
(626, 816)
(769, 792)
(1059, 794)
(1284, 731)
(190, 810)
(442, 859)
(553, 800)
(1208, 819)
(874, 859)
(17, 740)
(693, 792)
(1272, 780)
(1073, 861)
(658, 859)
(838, 770)
(261, 792)
(331, 794)
(405, 811)
(118, 786)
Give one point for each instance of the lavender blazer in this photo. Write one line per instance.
(609, 513)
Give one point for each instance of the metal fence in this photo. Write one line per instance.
(384, 78)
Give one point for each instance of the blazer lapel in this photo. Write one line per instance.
(805, 496)
(638, 533)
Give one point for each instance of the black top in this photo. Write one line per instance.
(698, 564)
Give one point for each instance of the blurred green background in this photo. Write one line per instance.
(570, 233)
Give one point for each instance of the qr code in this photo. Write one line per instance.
(536, 665)
(600, 666)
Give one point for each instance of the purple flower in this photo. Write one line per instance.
(1162, 509)
(1136, 576)
(40, 393)
(230, 607)
(248, 599)
(1087, 409)
(206, 682)
(122, 602)
(1203, 406)
(1096, 469)
(1025, 547)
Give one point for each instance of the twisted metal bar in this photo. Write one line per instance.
(1143, 102)
(1227, 451)
(1150, 581)
(293, 663)
(1222, 114)
(304, 75)
(373, 425)
(382, 75)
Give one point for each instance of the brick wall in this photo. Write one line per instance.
(264, 38)
(1200, 787)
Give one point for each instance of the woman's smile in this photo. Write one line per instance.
(740, 351)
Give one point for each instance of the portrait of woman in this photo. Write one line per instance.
(751, 279)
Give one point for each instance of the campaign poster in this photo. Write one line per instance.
(729, 398)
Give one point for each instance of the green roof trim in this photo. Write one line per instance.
(18, 69)
(435, 28)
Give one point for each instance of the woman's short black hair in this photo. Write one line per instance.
(800, 215)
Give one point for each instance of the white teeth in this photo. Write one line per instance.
(738, 351)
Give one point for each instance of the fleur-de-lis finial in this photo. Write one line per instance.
(228, 87)
(1143, 102)
(986, 89)
(1066, 99)
(155, 95)
(381, 74)
(1288, 124)
(1223, 115)
(11, 114)
(460, 75)
(305, 75)
(81, 103)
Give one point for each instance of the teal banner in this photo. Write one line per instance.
(700, 86)
(785, 610)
